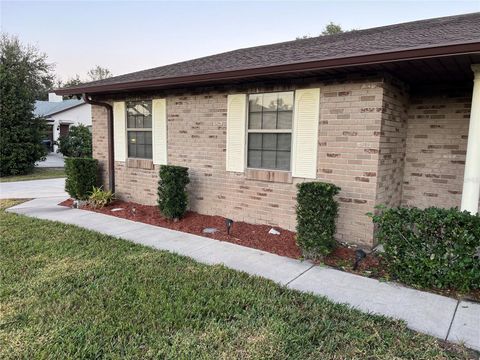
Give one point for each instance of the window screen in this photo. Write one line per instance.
(270, 130)
(139, 129)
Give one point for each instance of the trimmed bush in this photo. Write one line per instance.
(172, 196)
(78, 142)
(432, 248)
(81, 177)
(316, 214)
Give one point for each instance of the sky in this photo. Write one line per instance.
(127, 36)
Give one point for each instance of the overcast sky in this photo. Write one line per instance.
(126, 36)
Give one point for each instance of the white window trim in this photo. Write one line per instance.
(127, 129)
(269, 131)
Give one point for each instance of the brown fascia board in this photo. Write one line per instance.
(410, 54)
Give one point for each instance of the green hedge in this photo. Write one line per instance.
(316, 214)
(78, 142)
(434, 248)
(172, 196)
(81, 177)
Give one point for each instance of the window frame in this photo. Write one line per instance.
(269, 131)
(128, 129)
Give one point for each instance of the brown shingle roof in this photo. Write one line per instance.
(452, 30)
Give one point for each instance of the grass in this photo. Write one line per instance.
(66, 292)
(37, 174)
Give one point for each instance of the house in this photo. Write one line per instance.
(389, 114)
(61, 114)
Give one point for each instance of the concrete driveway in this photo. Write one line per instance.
(33, 189)
(53, 160)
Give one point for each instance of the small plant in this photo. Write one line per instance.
(432, 248)
(100, 198)
(172, 195)
(81, 176)
(78, 142)
(316, 214)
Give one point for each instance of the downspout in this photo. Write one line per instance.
(111, 155)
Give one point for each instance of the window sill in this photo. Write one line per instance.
(146, 164)
(269, 175)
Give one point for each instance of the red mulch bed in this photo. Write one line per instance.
(343, 257)
(254, 236)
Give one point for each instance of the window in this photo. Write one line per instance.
(139, 129)
(270, 130)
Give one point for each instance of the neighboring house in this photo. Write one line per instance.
(61, 114)
(384, 113)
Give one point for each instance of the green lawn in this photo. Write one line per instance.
(66, 293)
(37, 174)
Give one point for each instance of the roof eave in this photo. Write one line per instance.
(410, 54)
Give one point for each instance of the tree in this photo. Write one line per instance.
(78, 142)
(331, 29)
(96, 73)
(75, 81)
(99, 73)
(24, 76)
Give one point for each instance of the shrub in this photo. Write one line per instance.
(81, 177)
(316, 214)
(172, 196)
(434, 248)
(24, 77)
(78, 142)
(100, 198)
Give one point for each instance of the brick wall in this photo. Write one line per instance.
(366, 146)
(196, 138)
(136, 184)
(350, 121)
(100, 141)
(352, 113)
(392, 143)
(436, 147)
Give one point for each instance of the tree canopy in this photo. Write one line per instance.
(99, 73)
(71, 82)
(25, 76)
(96, 73)
(329, 29)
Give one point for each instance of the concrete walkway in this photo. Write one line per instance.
(33, 189)
(440, 316)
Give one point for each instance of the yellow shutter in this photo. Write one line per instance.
(159, 131)
(119, 130)
(236, 118)
(305, 133)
